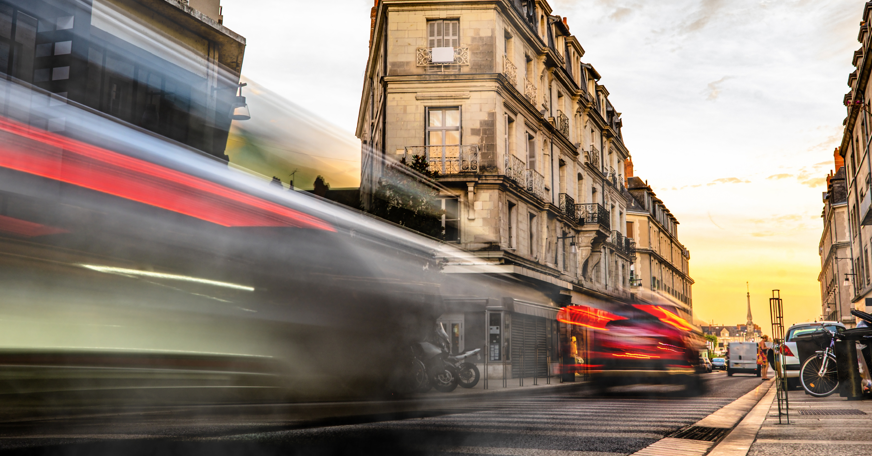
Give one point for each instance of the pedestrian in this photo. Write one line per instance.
(763, 357)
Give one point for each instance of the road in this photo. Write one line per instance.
(567, 422)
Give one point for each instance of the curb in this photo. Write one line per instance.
(740, 439)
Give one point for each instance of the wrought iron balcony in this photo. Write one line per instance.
(515, 170)
(447, 159)
(617, 239)
(510, 70)
(536, 184)
(631, 248)
(592, 214)
(592, 156)
(562, 123)
(527, 10)
(424, 57)
(567, 206)
(530, 91)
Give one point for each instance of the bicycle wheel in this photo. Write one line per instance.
(813, 382)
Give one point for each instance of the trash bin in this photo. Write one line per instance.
(808, 344)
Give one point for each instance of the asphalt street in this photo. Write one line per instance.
(570, 421)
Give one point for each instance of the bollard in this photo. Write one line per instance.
(505, 385)
(548, 367)
(486, 357)
(523, 369)
(536, 369)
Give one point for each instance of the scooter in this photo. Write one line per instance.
(467, 373)
(434, 354)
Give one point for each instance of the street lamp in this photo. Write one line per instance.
(571, 244)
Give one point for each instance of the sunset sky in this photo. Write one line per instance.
(731, 112)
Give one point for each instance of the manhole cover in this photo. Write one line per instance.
(831, 412)
(707, 434)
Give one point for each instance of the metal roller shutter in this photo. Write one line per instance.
(529, 334)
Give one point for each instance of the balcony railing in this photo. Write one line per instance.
(631, 248)
(510, 70)
(617, 239)
(562, 123)
(515, 170)
(592, 157)
(536, 184)
(567, 206)
(592, 214)
(447, 159)
(424, 57)
(530, 90)
(527, 10)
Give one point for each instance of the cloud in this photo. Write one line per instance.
(620, 14)
(763, 234)
(729, 180)
(814, 182)
(714, 88)
(707, 11)
(779, 176)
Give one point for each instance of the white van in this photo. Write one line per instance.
(742, 358)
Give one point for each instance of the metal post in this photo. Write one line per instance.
(523, 369)
(548, 367)
(536, 368)
(487, 352)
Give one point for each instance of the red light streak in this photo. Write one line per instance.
(587, 317)
(635, 356)
(666, 316)
(48, 155)
(18, 227)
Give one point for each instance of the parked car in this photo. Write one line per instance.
(791, 353)
(719, 364)
(742, 358)
(705, 365)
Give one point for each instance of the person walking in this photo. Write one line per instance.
(762, 357)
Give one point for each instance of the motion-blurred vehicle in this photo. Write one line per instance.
(641, 343)
(719, 364)
(792, 362)
(742, 358)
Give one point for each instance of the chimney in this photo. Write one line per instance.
(840, 162)
(372, 21)
(565, 23)
(628, 169)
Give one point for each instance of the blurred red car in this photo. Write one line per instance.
(639, 343)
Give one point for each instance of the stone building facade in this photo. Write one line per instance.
(836, 278)
(529, 150)
(662, 265)
(160, 65)
(854, 148)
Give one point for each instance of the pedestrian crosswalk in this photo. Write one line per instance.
(576, 424)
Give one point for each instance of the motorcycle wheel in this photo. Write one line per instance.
(468, 375)
(445, 381)
(418, 377)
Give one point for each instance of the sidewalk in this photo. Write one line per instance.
(829, 425)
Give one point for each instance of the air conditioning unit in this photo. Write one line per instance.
(443, 55)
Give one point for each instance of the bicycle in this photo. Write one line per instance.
(819, 375)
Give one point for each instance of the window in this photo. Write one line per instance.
(451, 219)
(443, 34)
(17, 43)
(533, 230)
(512, 223)
(510, 135)
(531, 151)
(443, 131)
(630, 230)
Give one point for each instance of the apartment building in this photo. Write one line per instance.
(494, 95)
(834, 248)
(854, 149)
(167, 66)
(662, 263)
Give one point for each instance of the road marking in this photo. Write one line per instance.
(519, 451)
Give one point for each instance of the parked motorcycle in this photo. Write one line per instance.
(434, 354)
(467, 373)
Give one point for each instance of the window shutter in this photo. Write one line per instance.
(433, 34)
(452, 34)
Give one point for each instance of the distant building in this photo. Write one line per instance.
(167, 66)
(737, 333)
(836, 276)
(662, 264)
